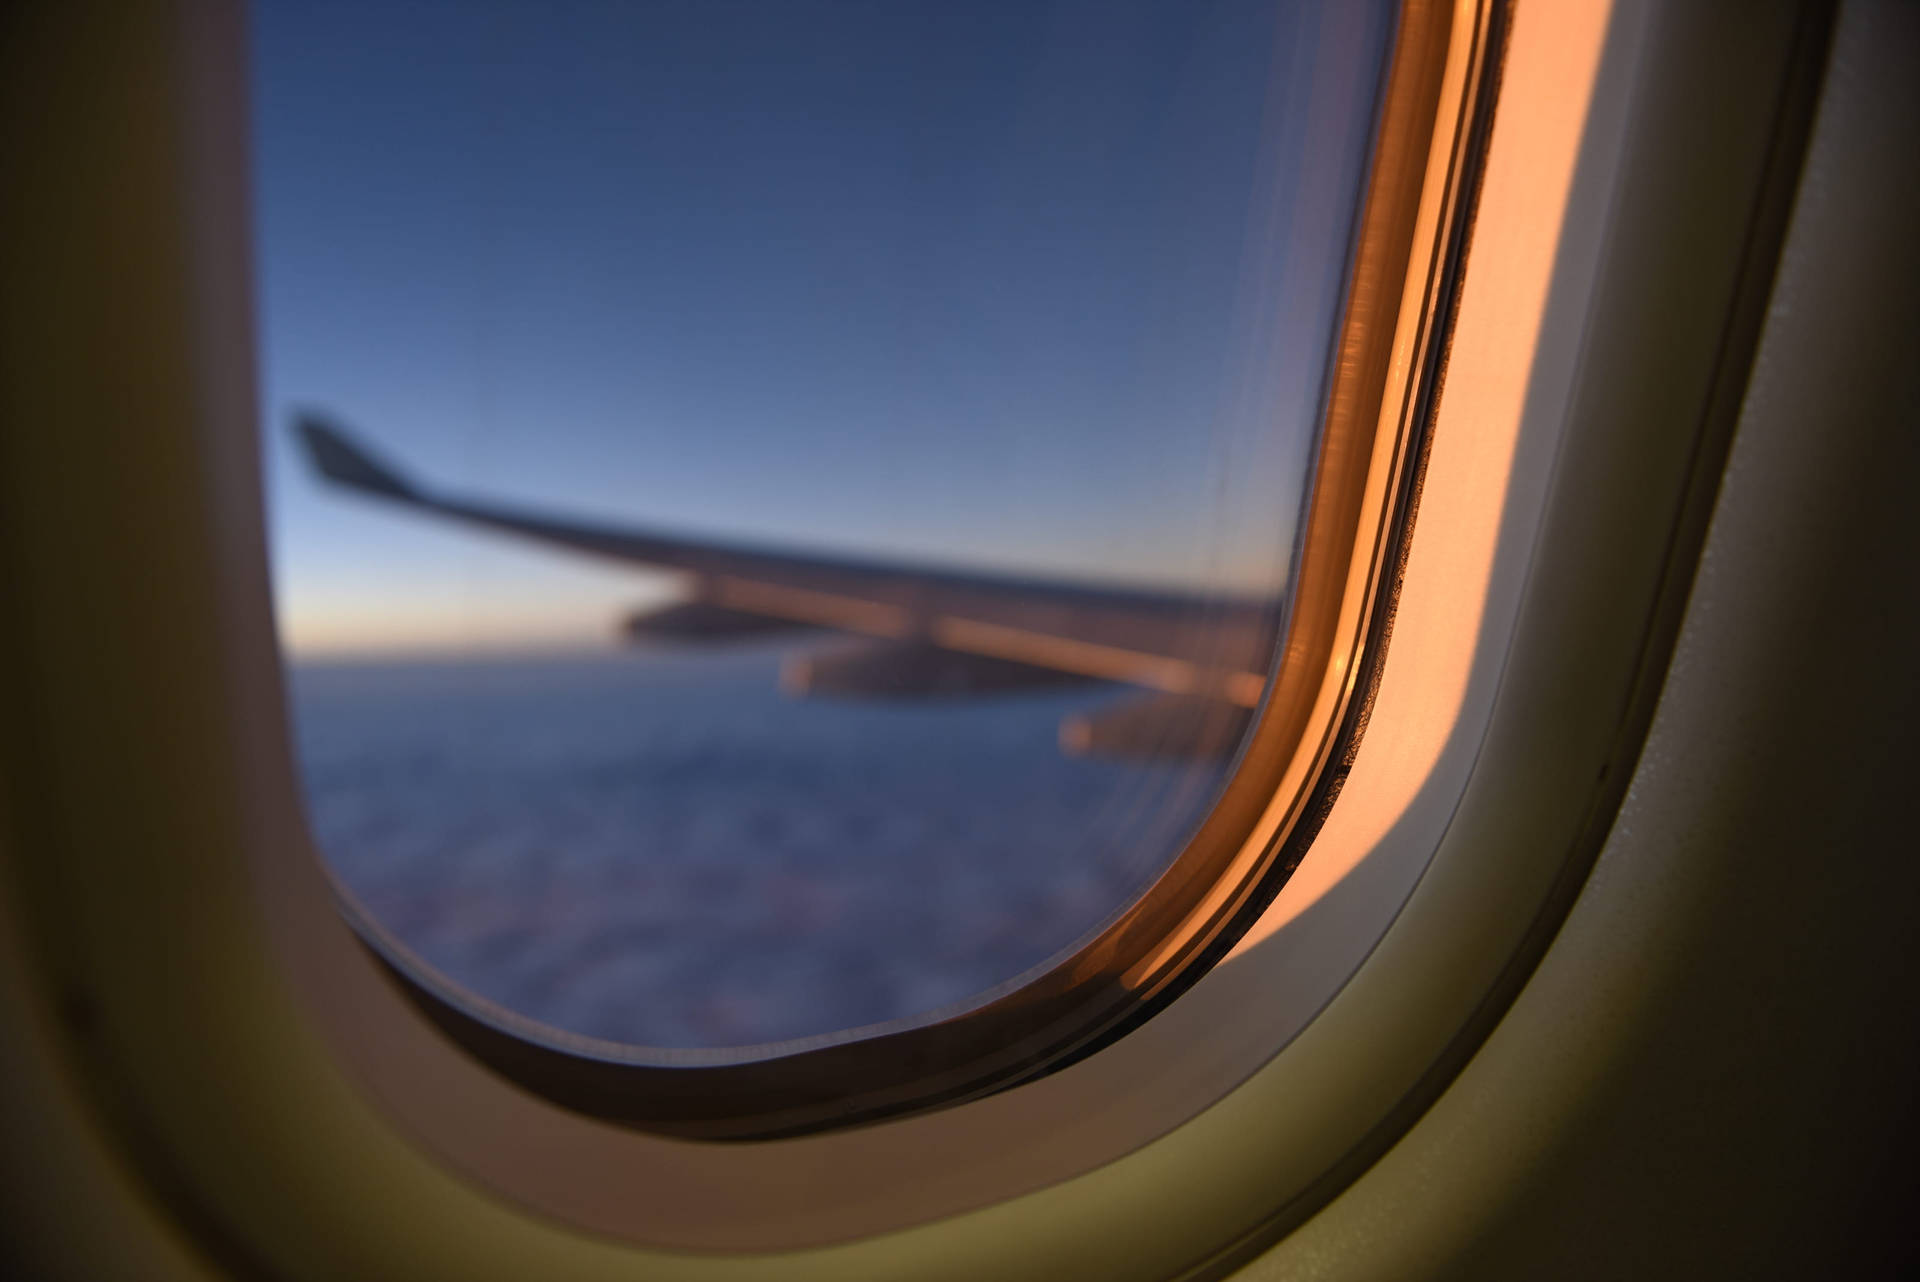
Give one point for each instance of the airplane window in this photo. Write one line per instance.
(782, 513)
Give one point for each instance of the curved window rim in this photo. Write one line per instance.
(1426, 154)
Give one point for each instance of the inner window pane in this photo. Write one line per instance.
(788, 506)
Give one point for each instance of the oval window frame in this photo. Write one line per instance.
(213, 1025)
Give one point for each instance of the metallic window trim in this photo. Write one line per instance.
(1404, 269)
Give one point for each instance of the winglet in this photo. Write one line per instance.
(345, 461)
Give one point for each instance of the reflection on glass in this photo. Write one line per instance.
(789, 506)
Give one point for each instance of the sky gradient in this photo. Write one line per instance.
(1046, 287)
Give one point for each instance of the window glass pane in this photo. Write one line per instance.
(797, 499)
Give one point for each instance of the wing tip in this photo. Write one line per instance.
(338, 457)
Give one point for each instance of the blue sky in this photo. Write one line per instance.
(1047, 287)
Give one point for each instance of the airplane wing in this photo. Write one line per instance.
(926, 630)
